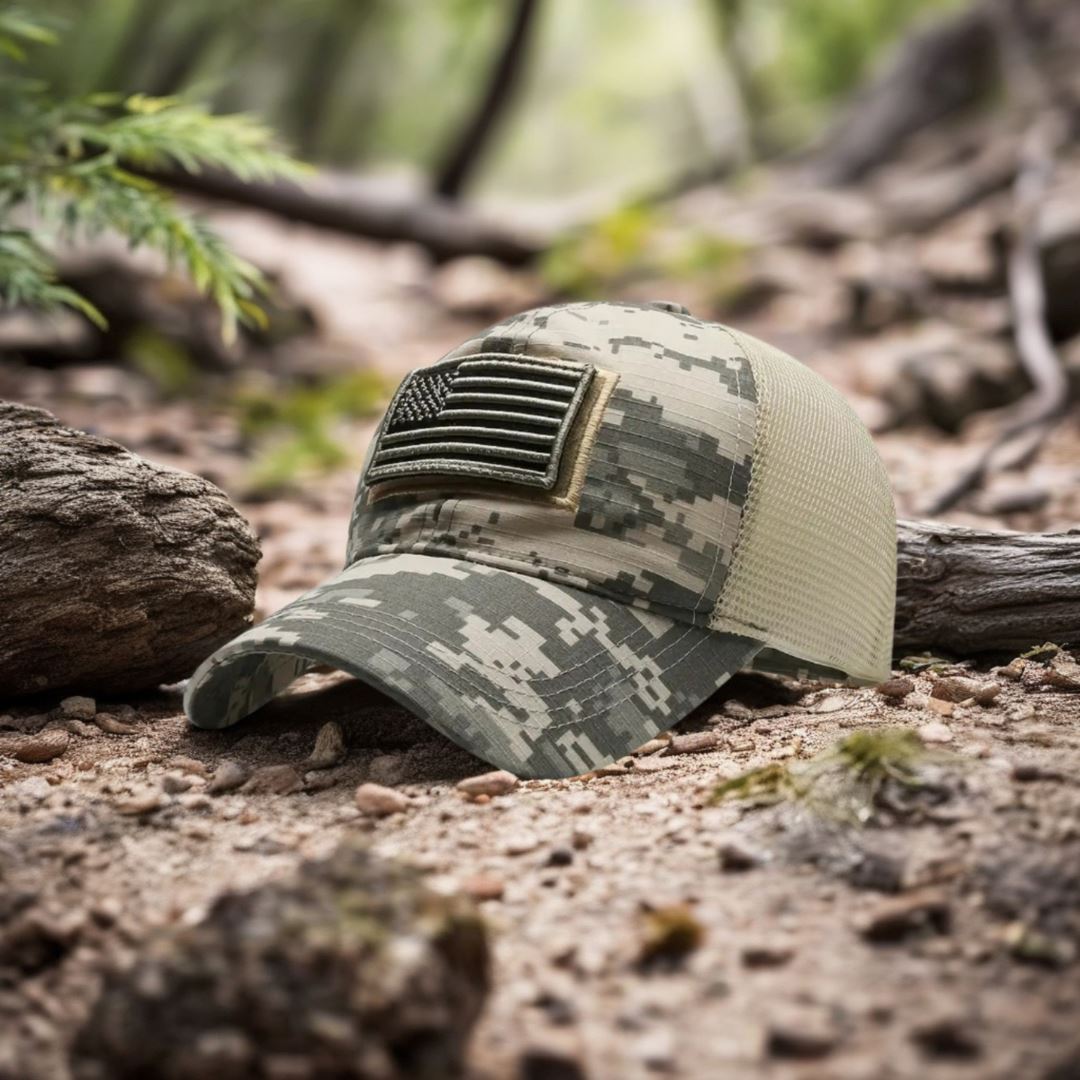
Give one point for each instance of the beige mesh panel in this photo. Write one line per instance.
(814, 573)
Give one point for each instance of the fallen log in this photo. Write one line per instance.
(966, 591)
(117, 575)
(361, 208)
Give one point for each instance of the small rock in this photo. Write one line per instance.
(550, 1062)
(696, 742)
(175, 783)
(1026, 772)
(521, 844)
(560, 856)
(78, 708)
(801, 1034)
(484, 887)
(736, 855)
(491, 784)
(895, 920)
(954, 688)
(187, 765)
(273, 780)
(1014, 670)
(766, 955)
(388, 769)
(142, 801)
(34, 749)
(935, 733)
(581, 838)
(378, 801)
(33, 789)
(228, 776)
(112, 725)
(987, 694)
(80, 728)
(321, 780)
(896, 689)
(947, 1037)
(329, 749)
(1021, 712)
(940, 706)
(1063, 672)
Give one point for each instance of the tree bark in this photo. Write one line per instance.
(966, 591)
(116, 575)
(351, 205)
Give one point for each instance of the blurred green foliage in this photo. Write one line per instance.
(619, 94)
(66, 170)
(635, 242)
(294, 429)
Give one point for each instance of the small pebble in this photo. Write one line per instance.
(896, 689)
(766, 955)
(388, 769)
(329, 749)
(495, 783)
(378, 801)
(521, 844)
(484, 887)
(940, 706)
(935, 733)
(78, 708)
(112, 725)
(737, 856)
(801, 1034)
(947, 1037)
(896, 919)
(34, 749)
(174, 783)
(142, 801)
(228, 776)
(188, 765)
(560, 856)
(987, 694)
(955, 688)
(273, 780)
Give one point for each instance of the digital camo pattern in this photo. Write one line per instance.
(666, 481)
(534, 678)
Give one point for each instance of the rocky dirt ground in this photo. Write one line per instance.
(638, 929)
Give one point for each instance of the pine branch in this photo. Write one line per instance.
(70, 163)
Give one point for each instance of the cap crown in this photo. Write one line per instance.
(666, 462)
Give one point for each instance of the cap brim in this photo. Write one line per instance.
(538, 678)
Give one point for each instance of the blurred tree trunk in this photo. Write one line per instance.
(467, 150)
(937, 71)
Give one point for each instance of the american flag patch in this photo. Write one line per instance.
(496, 416)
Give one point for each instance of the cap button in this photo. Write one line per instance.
(670, 305)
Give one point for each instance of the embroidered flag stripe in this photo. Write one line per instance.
(495, 416)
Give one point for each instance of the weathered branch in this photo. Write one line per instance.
(937, 71)
(967, 591)
(469, 147)
(1035, 415)
(117, 574)
(361, 208)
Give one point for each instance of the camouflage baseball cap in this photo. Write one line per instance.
(577, 525)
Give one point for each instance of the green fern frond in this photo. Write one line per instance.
(27, 278)
(77, 165)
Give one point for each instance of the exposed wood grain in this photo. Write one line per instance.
(116, 574)
(968, 591)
